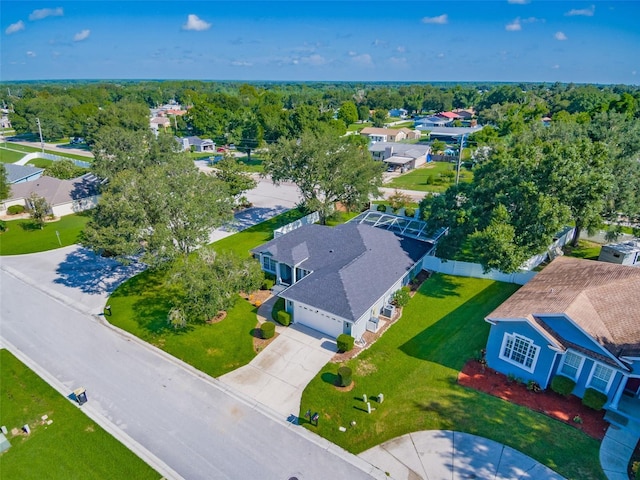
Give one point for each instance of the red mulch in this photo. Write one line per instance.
(486, 380)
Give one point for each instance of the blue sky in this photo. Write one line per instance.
(501, 40)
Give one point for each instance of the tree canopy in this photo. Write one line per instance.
(327, 169)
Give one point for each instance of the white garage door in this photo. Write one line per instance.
(317, 320)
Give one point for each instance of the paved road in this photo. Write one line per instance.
(175, 413)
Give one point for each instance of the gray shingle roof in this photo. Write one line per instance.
(353, 265)
(16, 173)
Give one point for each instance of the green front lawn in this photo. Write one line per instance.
(73, 446)
(141, 304)
(432, 177)
(22, 236)
(29, 149)
(415, 364)
(9, 156)
(585, 249)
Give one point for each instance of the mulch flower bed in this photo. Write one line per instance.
(565, 409)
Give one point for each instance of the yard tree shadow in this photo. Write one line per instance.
(441, 286)
(458, 336)
(93, 274)
(559, 446)
(330, 378)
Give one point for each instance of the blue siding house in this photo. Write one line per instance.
(580, 319)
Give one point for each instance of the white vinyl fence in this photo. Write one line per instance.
(466, 269)
(48, 156)
(289, 227)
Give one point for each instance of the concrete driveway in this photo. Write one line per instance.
(277, 376)
(447, 455)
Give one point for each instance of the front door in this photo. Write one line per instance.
(346, 328)
(632, 386)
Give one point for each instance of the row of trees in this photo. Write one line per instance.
(533, 183)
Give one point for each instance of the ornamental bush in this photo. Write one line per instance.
(409, 212)
(344, 376)
(3, 226)
(284, 318)
(381, 208)
(268, 330)
(15, 209)
(594, 399)
(401, 297)
(562, 385)
(345, 342)
(267, 284)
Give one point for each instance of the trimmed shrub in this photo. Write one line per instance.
(345, 342)
(409, 212)
(562, 385)
(267, 284)
(15, 209)
(401, 297)
(381, 208)
(3, 226)
(268, 330)
(594, 399)
(344, 376)
(284, 318)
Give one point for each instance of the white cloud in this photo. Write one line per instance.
(584, 12)
(379, 43)
(560, 36)
(364, 60)
(533, 20)
(46, 12)
(398, 61)
(351, 53)
(633, 72)
(556, 66)
(31, 54)
(518, 2)
(195, 23)
(439, 20)
(314, 59)
(401, 49)
(440, 55)
(83, 35)
(514, 26)
(241, 63)
(14, 27)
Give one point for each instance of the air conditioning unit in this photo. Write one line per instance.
(388, 310)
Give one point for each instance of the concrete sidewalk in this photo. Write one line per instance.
(447, 455)
(615, 452)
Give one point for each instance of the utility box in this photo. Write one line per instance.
(81, 395)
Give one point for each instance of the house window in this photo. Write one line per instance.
(571, 365)
(269, 264)
(601, 377)
(520, 351)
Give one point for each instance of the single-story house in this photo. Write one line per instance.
(624, 253)
(449, 116)
(465, 113)
(64, 196)
(389, 134)
(579, 319)
(159, 122)
(405, 156)
(452, 134)
(339, 280)
(427, 123)
(21, 173)
(398, 112)
(198, 144)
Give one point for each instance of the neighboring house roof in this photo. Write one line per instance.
(160, 121)
(626, 248)
(56, 191)
(353, 265)
(199, 141)
(378, 131)
(431, 119)
(454, 131)
(601, 298)
(16, 173)
(401, 149)
(450, 115)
